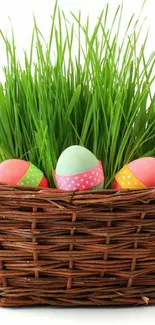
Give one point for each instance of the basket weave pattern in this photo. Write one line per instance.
(76, 249)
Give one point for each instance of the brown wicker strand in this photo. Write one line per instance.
(4, 282)
(35, 255)
(107, 241)
(133, 263)
(69, 282)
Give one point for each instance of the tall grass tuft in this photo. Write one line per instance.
(101, 98)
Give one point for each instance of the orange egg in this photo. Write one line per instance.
(139, 173)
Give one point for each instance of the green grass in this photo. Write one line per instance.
(100, 99)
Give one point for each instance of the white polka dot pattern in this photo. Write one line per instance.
(82, 181)
(126, 179)
(32, 177)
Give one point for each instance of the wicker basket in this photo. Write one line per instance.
(76, 249)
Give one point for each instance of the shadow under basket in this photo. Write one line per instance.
(90, 248)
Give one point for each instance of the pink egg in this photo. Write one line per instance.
(139, 173)
(21, 172)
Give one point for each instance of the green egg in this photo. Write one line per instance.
(75, 160)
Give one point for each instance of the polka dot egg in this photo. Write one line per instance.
(21, 172)
(78, 169)
(139, 173)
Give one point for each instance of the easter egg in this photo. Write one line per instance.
(139, 173)
(78, 169)
(21, 172)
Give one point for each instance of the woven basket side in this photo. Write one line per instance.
(76, 249)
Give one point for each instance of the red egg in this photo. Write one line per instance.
(139, 173)
(21, 172)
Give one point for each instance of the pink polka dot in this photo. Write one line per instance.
(81, 179)
(85, 175)
(83, 186)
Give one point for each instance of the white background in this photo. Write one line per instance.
(20, 13)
